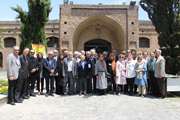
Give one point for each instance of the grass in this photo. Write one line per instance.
(3, 86)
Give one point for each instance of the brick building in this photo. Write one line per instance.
(104, 27)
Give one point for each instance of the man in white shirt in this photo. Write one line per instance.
(69, 73)
(159, 73)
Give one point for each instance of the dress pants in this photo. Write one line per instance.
(94, 84)
(68, 80)
(33, 79)
(130, 85)
(49, 84)
(152, 85)
(83, 84)
(21, 88)
(162, 87)
(59, 86)
(89, 84)
(11, 90)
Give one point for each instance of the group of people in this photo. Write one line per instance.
(83, 73)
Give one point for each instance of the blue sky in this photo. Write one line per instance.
(6, 13)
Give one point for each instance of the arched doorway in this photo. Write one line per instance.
(99, 28)
(99, 45)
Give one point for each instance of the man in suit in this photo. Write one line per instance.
(56, 57)
(76, 81)
(159, 73)
(23, 81)
(93, 59)
(34, 70)
(49, 65)
(82, 75)
(13, 66)
(69, 72)
(89, 71)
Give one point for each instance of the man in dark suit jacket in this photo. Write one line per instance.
(34, 70)
(89, 72)
(23, 81)
(49, 65)
(82, 75)
(59, 75)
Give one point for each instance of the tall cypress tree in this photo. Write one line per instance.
(33, 22)
(165, 16)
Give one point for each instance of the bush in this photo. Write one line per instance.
(3, 86)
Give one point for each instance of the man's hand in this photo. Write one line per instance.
(33, 70)
(11, 78)
(52, 71)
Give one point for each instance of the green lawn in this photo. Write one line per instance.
(3, 86)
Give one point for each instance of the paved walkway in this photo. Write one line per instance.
(93, 108)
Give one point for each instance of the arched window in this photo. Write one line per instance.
(144, 42)
(9, 42)
(1, 60)
(53, 42)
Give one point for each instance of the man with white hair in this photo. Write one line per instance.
(49, 69)
(23, 81)
(93, 60)
(89, 72)
(159, 73)
(13, 66)
(69, 73)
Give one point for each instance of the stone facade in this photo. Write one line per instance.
(79, 24)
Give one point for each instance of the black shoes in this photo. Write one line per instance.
(18, 101)
(33, 94)
(26, 97)
(11, 103)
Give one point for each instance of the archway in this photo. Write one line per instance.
(99, 28)
(98, 44)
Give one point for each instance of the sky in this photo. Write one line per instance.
(7, 14)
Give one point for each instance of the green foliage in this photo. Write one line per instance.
(165, 16)
(3, 86)
(33, 22)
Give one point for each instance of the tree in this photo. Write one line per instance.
(33, 22)
(165, 16)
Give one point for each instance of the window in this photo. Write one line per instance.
(144, 43)
(53, 42)
(9, 42)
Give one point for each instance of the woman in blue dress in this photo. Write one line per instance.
(141, 76)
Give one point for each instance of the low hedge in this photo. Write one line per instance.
(3, 86)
